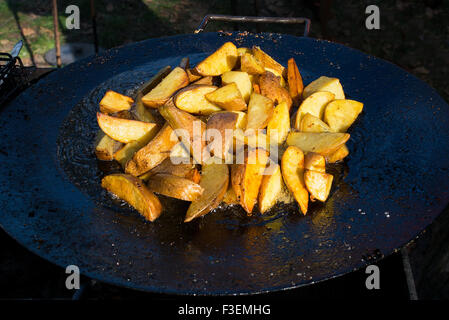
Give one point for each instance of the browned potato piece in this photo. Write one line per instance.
(205, 80)
(323, 83)
(192, 99)
(156, 151)
(271, 189)
(174, 81)
(230, 197)
(191, 129)
(193, 75)
(105, 146)
(133, 191)
(174, 187)
(250, 64)
(338, 155)
(141, 112)
(340, 114)
(251, 138)
(295, 84)
(214, 180)
(222, 60)
(256, 88)
(183, 170)
(246, 178)
(279, 124)
(292, 167)
(114, 102)
(271, 88)
(123, 130)
(310, 123)
(241, 79)
(228, 97)
(319, 184)
(315, 104)
(124, 154)
(218, 123)
(268, 61)
(315, 161)
(260, 110)
(323, 143)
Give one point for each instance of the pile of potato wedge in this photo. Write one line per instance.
(279, 134)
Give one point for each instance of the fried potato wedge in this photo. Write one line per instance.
(154, 81)
(180, 152)
(341, 114)
(271, 189)
(214, 180)
(228, 97)
(292, 167)
(250, 64)
(123, 130)
(295, 84)
(268, 61)
(133, 191)
(219, 132)
(183, 170)
(114, 102)
(338, 155)
(242, 120)
(310, 123)
(174, 81)
(230, 198)
(318, 184)
(174, 187)
(209, 81)
(260, 111)
(246, 178)
(124, 154)
(156, 151)
(242, 50)
(241, 79)
(323, 143)
(141, 112)
(270, 87)
(219, 62)
(314, 161)
(188, 128)
(323, 83)
(193, 75)
(192, 99)
(279, 125)
(105, 146)
(315, 104)
(251, 138)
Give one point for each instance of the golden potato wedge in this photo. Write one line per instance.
(242, 120)
(242, 50)
(279, 125)
(179, 151)
(174, 81)
(214, 180)
(315, 104)
(241, 79)
(340, 114)
(154, 81)
(338, 155)
(292, 167)
(193, 75)
(318, 184)
(174, 187)
(246, 178)
(227, 97)
(295, 84)
(189, 129)
(123, 130)
(310, 123)
(219, 62)
(192, 99)
(323, 143)
(323, 83)
(230, 198)
(219, 132)
(260, 111)
(105, 146)
(124, 154)
(250, 64)
(268, 61)
(271, 88)
(251, 138)
(156, 151)
(114, 102)
(271, 189)
(183, 170)
(141, 112)
(314, 161)
(205, 80)
(133, 191)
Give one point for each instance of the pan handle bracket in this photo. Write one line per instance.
(246, 19)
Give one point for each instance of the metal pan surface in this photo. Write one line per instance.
(393, 184)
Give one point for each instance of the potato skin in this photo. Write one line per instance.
(105, 146)
(175, 187)
(271, 88)
(133, 191)
(295, 84)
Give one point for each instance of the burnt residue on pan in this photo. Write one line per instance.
(394, 183)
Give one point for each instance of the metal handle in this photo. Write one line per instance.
(244, 19)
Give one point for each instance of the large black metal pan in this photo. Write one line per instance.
(394, 184)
